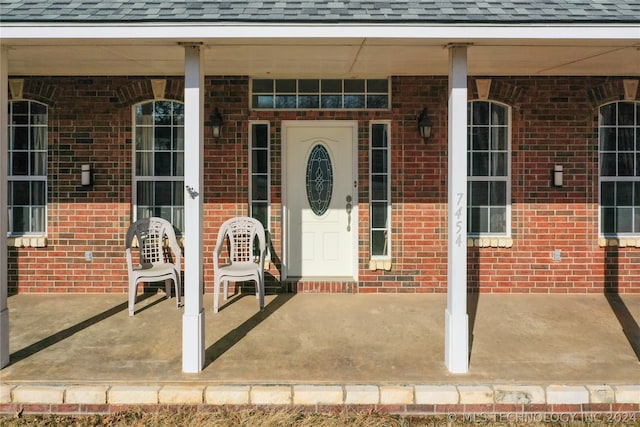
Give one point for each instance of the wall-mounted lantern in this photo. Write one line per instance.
(424, 125)
(557, 176)
(216, 123)
(85, 175)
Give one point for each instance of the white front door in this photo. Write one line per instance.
(320, 199)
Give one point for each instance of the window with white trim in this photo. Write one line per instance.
(380, 190)
(488, 169)
(159, 161)
(619, 149)
(27, 172)
(260, 179)
(323, 94)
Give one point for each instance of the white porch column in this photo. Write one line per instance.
(456, 351)
(4, 149)
(193, 318)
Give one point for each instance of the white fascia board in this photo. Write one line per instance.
(201, 32)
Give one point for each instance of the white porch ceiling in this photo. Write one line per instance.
(323, 57)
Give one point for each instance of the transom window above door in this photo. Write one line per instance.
(321, 94)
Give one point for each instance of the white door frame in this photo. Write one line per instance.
(353, 124)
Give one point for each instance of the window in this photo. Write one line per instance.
(380, 191)
(488, 169)
(27, 173)
(619, 146)
(259, 166)
(159, 161)
(330, 94)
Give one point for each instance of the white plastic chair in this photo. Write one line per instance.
(240, 234)
(154, 237)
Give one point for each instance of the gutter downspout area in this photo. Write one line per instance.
(456, 318)
(193, 318)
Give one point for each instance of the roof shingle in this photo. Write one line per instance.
(352, 11)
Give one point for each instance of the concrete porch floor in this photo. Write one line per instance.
(326, 339)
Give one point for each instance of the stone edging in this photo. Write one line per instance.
(434, 399)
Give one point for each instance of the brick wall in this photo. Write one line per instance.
(554, 121)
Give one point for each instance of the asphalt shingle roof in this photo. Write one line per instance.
(347, 11)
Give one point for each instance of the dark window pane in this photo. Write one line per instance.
(499, 138)
(163, 195)
(625, 164)
(285, 101)
(162, 113)
(499, 164)
(19, 193)
(260, 136)
(259, 161)
(636, 197)
(19, 108)
(259, 187)
(377, 101)
(20, 138)
(480, 137)
(38, 193)
(624, 194)
(608, 139)
(608, 114)
(626, 113)
(498, 193)
(38, 163)
(480, 166)
(379, 135)
(608, 220)
(331, 101)
(331, 86)
(498, 219)
(608, 164)
(479, 194)
(178, 114)
(308, 101)
(354, 86)
(499, 115)
(20, 163)
(378, 161)
(379, 187)
(607, 194)
(262, 101)
(20, 219)
(378, 243)
(480, 113)
(626, 139)
(378, 85)
(259, 211)
(162, 138)
(287, 85)
(178, 164)
(354, 101)
(263, 86)
(178, 138)
(379, 215)
(308, 86)
(624, 220)
(162, 164)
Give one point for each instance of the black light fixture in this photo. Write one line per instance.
(424, 125)
(216, 123)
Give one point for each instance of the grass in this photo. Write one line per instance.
(266, 418)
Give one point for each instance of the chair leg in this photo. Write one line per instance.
(177, 284)
(167, 288)
(260, 293)
(216, 296)
(226, 290)
(132, 298)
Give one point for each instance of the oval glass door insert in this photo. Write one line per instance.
(319, 180)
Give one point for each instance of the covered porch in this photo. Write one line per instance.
(326, 349)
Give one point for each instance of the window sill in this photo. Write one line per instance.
(489, 242)
(380, 264)
(27, 242)
(621, 242)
